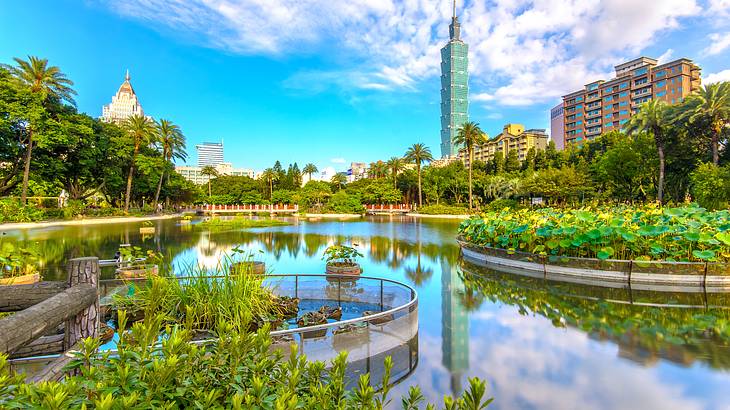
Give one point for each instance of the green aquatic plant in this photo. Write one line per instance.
(153, 369)
(642, 233)
(341, 255)
(217, 224)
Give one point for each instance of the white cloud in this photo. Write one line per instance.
(337, 160)
(494, 116)
(719, 42)
(666, 56)
(723, 75)
(520, 50)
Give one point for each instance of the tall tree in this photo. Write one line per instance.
(171, 140)
(378, 169)
(269, 176)
(513, 161)
(711, 104)
(418, 154)
(338, 180)
(210, 172)
(310, 169)
(653, 119)
(51, 85)
(395, 165)
(141, 130)
(468, 136)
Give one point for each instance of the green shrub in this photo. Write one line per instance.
(499, 204)
(12, 211)
(443, 210)
(236, 371)
(711, 186)
(344, 203)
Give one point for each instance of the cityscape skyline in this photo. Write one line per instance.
(284, 93)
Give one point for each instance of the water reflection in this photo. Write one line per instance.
(615, 349)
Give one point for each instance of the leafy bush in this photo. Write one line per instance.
(639, 233)
(16, 261)
(443, 210)
(344, 203)
(711, 186)
(499, 204)
(237, 371)
(12, 211)
(341, 255)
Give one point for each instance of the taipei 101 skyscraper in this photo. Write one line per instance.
(454, 87)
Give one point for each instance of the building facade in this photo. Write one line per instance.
(454, 87)
(357, 171)
(512, 137)
(603, 106)
(557, 126)
(210, 153)
(194, 175)
(124, 103)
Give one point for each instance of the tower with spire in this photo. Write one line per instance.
(124, 103)
(454, 86)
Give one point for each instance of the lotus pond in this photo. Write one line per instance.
(537, 344)
(648, 233)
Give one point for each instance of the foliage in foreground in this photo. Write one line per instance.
(237, 371)
(639, 233)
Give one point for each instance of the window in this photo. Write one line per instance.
(579, 139)
(579, 114)
(592, 87)
(661, 93)
(660, 73)
(623, 85)
(640, 71)
(623, 112)
(623, 103)
(609, 98)
(624, 94)
(578, 98)
(579, 122)
(608, 107)
(622, 122)
(579, 106)
(609, 115)
(660, 84)
(641, 81)
(680, 89)
(608, 90)
(579, 131)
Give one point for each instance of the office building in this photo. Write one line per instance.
(512, 137)
(193, 174)
(454, 87)
(357, 171)
(603, 106)
(124, 103)
(557, 126)
(210, 153)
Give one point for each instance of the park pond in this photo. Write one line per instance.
(538, 344)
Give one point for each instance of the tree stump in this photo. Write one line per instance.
(85, 323)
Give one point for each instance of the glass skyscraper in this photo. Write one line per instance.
(210, 153)
(454, 87)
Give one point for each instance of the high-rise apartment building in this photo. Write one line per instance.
(512, 137)
(454, 87)
(557, 126)
(210, 153)
(195, 175)
(124, 103)
(603, 106)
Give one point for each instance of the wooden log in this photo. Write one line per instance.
(18, 297)
(83, 271)
(54, 371)
(44, 345)
(27, 325)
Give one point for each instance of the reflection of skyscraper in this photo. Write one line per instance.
(454, 326)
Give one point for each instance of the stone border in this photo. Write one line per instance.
(535, 266)
(90, 221)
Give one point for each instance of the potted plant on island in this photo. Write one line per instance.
(17, 265)
(341, 260)
(135, 263)
(147, 228)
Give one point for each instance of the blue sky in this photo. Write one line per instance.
(332, 82)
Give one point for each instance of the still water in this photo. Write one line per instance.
(472, 322)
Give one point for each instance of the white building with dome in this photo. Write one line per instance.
(124, 104)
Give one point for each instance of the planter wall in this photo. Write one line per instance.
(353, 270)
(136, 272)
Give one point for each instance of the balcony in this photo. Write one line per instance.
(594, 115)
(593, 132)
(593, 105)
(593, 97)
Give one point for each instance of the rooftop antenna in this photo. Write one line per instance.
(454, 14)
(126, 77)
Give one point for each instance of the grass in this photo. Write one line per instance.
(240, 222)
(443, 210)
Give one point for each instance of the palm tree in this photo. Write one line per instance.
(712, 104)
(269, 175)
(395, 165)
(47, 82)
(470, 135)
(339, 179)
(418, 154)
(377, 169)
(172, 141)
(210, 172)
(310, 169)
(141, 129)
(652, 118)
